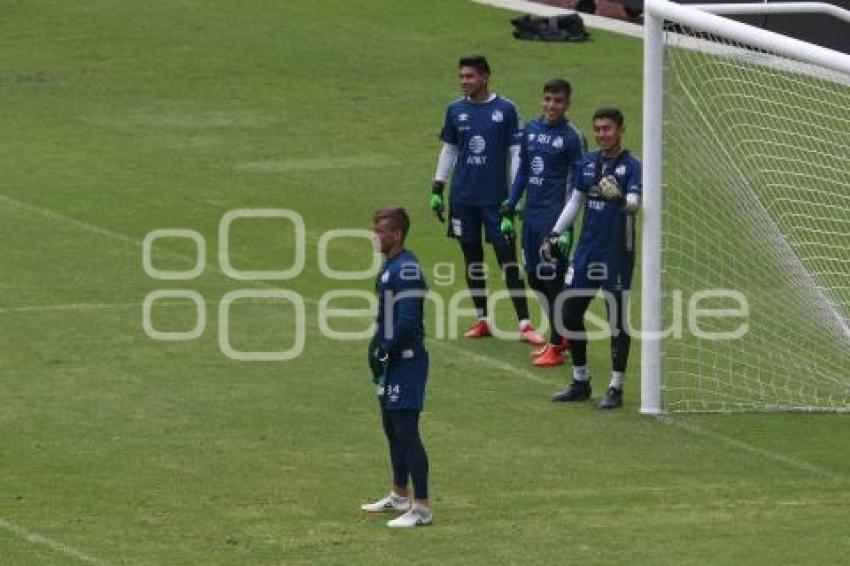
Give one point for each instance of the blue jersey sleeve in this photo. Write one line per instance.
(449, 133)
(577, 177)
(514, 128)
(576, 148)
(634, 182)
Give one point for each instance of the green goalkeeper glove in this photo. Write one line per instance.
(507, 213)
(437, 200)
(556, 246)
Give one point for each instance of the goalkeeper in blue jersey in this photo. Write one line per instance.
(481, 136)
(607, 183)
(399, 364)
(551, 147)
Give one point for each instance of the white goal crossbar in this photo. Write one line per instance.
(776, 8)
(697, 19)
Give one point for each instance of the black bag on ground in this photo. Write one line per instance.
(569, 27)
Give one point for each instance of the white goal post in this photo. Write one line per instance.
(746, 176)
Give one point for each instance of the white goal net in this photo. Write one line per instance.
(756, 220)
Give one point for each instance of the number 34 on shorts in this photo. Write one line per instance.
(392, 391)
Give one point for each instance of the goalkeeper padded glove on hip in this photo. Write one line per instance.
(556, 246)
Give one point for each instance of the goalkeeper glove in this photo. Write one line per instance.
(556, 246)
(507, 213)
(379, 360)
(437, 200)
(609, 188)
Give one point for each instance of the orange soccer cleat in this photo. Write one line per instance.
(537, 352)
(481, 329)
(528, 334)
(564, 346)
(552, 356)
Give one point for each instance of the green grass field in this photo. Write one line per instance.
(119, 118)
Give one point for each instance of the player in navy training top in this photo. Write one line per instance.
(551, 146)
(399, 364)
(481, 136)
(609, 182)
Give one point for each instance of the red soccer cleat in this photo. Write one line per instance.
(551, 356)
(481, 329)
(537, 352)
(528, 334)
(563, 347)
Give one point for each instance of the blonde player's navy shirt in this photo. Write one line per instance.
(606, 227)
(401, 292)
(548, 155)
(483, 133)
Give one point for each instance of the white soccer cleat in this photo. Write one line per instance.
(390, 503)
(416, 517)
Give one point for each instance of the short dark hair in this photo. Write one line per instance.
(477, 62)
(609, 113)
(557, 85)
(396, 216)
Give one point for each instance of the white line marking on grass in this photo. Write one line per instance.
(319, 163)
(69, 220)
(743, 446)
(503, 366)
(36, 538)
(70, 307)
(81, 307)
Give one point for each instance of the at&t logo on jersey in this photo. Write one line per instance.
(477, 145)
(497, 116)
(537, 165)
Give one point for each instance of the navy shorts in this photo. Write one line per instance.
(404, 386)
(466, 221)
(595, 270)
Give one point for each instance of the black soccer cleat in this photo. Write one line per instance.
(575, 391)
(613, 399)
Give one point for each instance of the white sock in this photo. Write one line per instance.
(523, 323)
(580, 373)
(617, 380)
(394, 495)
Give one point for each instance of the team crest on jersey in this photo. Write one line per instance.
(558, 142)
(537, 165)
(385, 277)
(620, 170)
(477, 144)
(531, 137)
(462, 117)
(497, 116)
